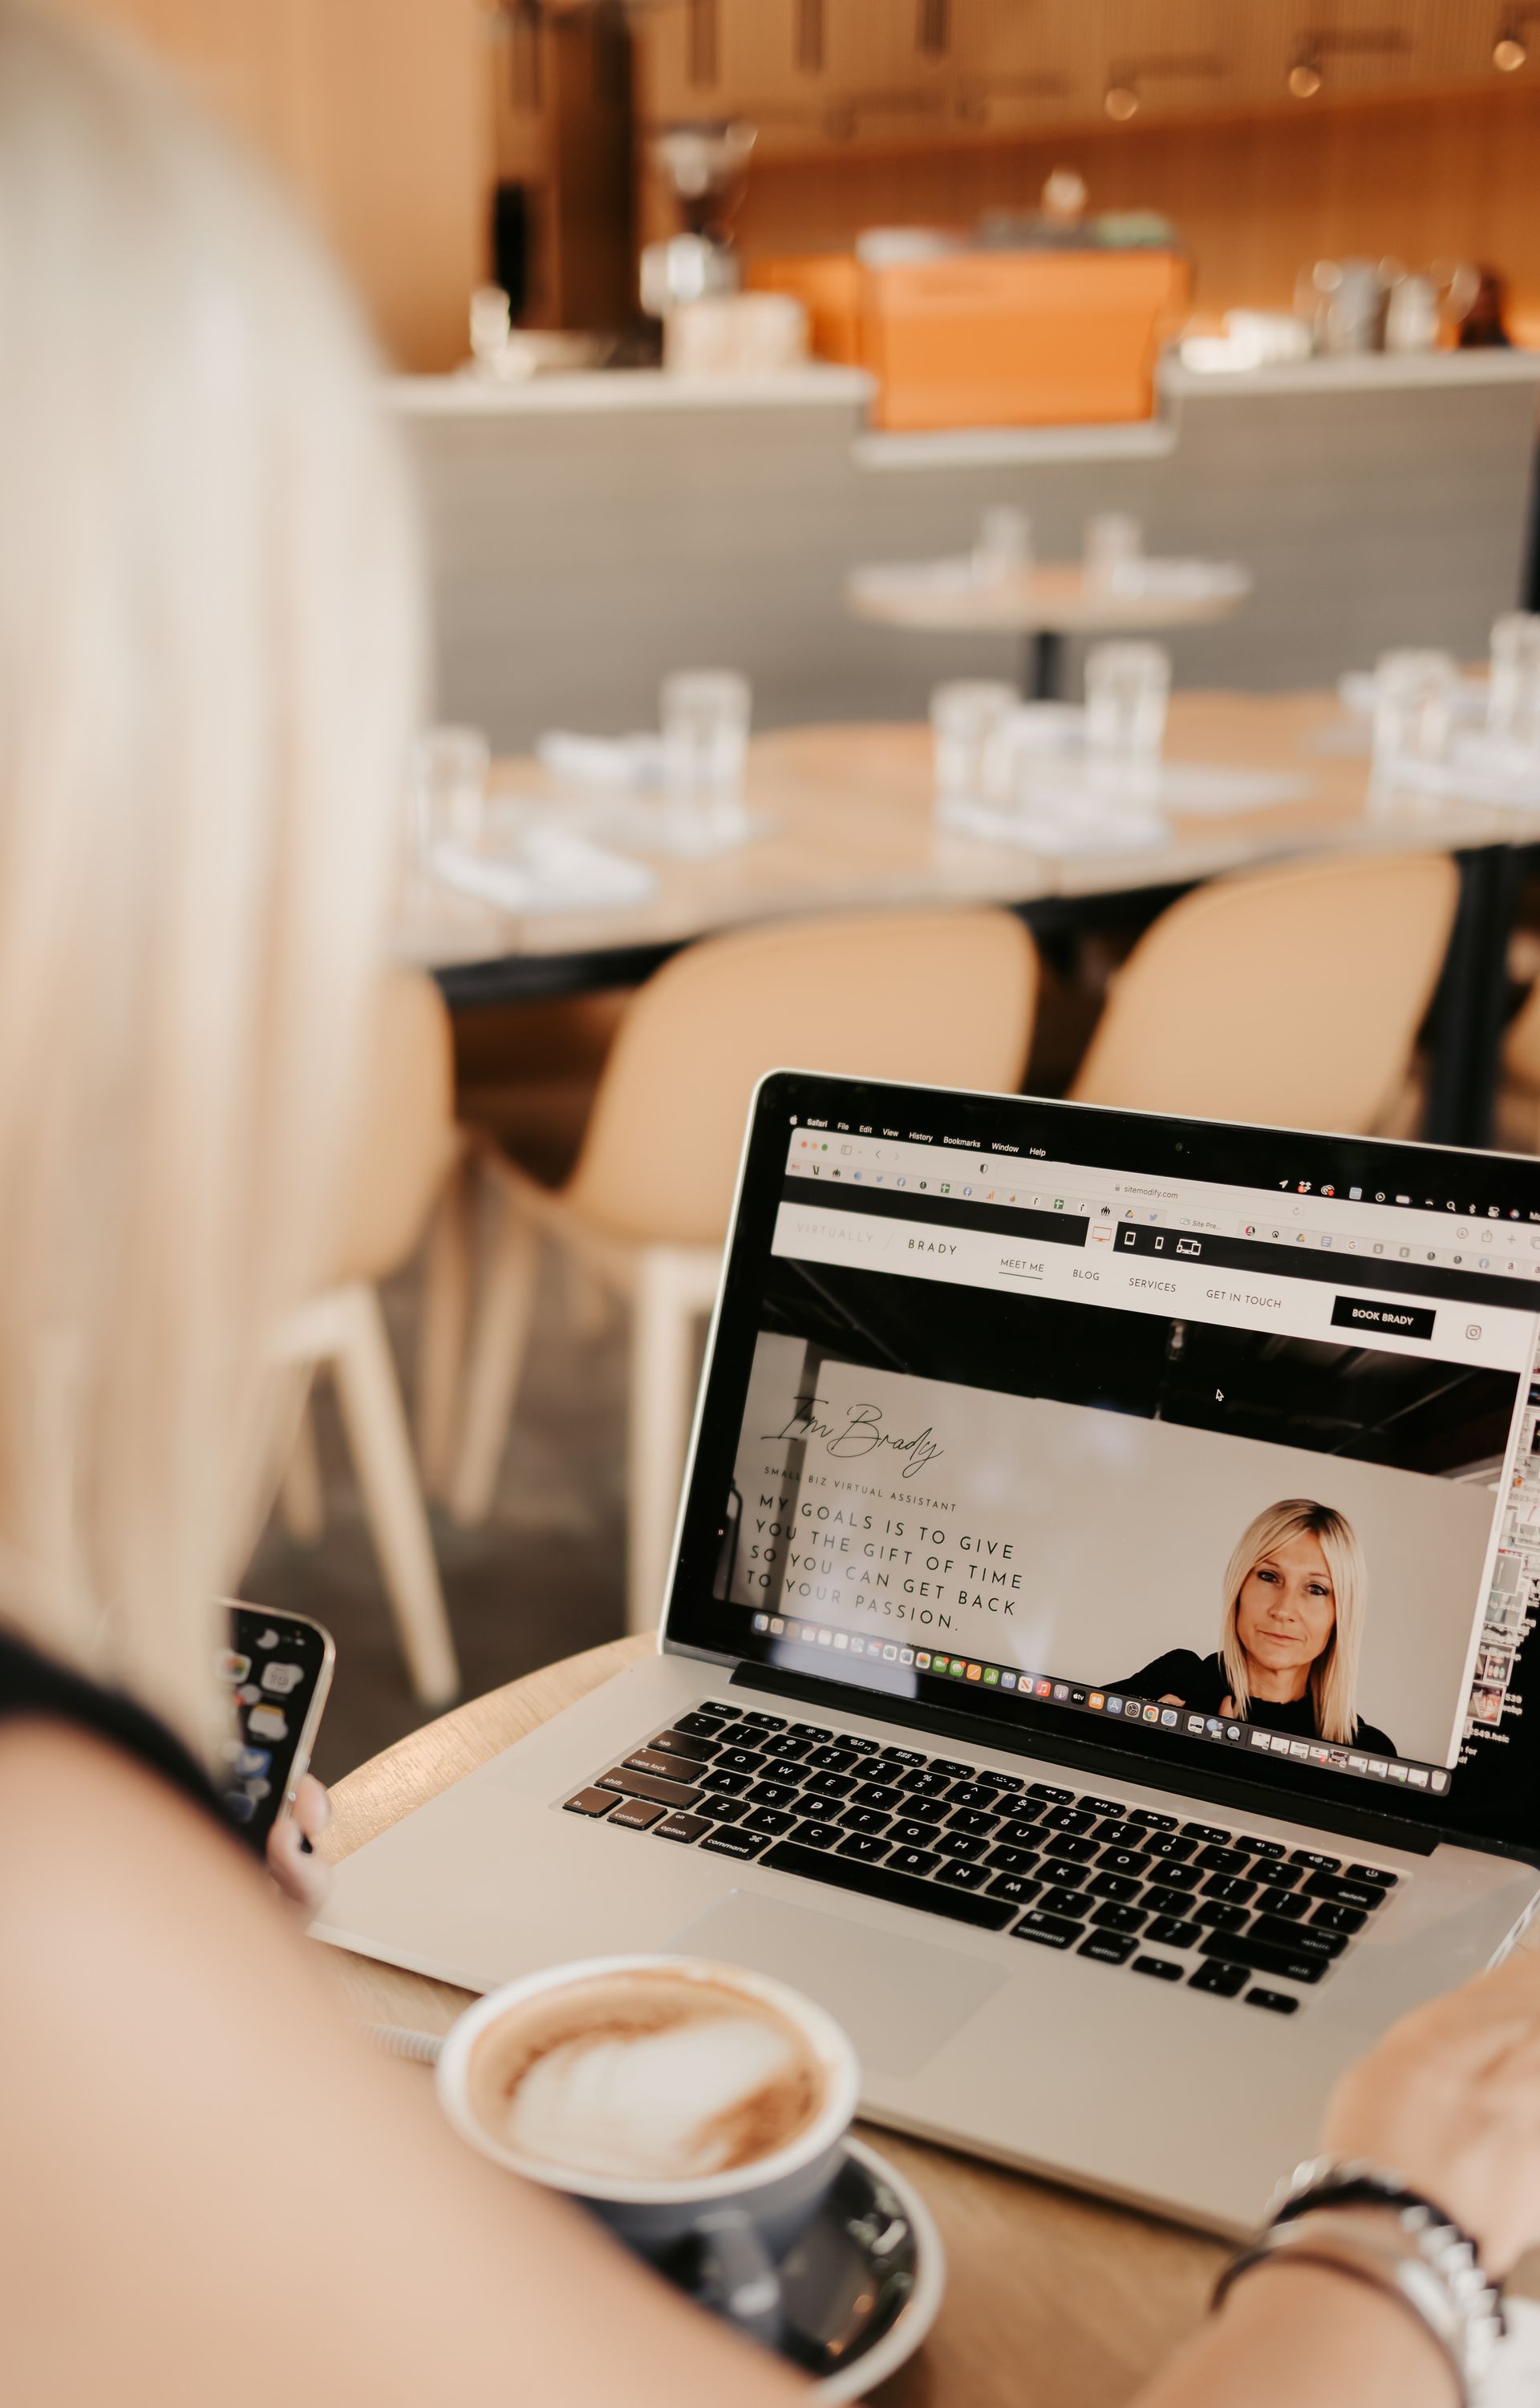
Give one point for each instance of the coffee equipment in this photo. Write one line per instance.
(704, 166)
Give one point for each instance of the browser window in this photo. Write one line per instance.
(1254, 1466)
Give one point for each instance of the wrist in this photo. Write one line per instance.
(1337, 2338)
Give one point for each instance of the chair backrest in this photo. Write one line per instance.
(1291, 995)
(406, 1131)
(936, 998)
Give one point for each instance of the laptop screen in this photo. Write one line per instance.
(1202, 1441)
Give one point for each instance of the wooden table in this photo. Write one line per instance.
(850, 826)
(1051, 2298)
(1044, 604)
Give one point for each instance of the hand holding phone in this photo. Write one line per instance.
(279, 1667)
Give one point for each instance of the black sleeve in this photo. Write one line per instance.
(1173, 1674)
(1375, 1741)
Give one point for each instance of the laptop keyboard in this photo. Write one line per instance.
(1228, 1914)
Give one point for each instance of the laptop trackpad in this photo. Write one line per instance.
(899, 1999)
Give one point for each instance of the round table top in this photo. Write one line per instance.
(1051, 2296)
(1054, 597)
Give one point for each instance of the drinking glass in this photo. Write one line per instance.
(1414, 711)
(1114, 541)
(966, 715)
(1513, 698)
(704, 715)
(1004, 545)
(449, 768)
(1126, 689)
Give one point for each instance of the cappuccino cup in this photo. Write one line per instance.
(699, 2110)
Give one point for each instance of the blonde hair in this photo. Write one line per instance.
(210, 652)
(1335, 1673)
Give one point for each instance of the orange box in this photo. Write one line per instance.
(996, 338)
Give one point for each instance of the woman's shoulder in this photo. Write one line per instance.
(1178, 1664)
(1376, 1741)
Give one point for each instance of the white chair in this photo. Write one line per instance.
(943, 997)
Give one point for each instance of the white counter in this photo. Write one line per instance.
(464, 394)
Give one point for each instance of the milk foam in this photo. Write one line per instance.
(659, 2106)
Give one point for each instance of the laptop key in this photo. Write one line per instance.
(862, 1844)
(1278, 2000)
(1068, 1818)
(1290, 1903)
(1102, 1805)
(1338, 1918)
(862, 1746)
(1170, 1931)
(971, 1793)
(1276, 1876)
(1169, 1845)
(1107, 1947)
(1054, 1796)
(1262, 1847)
(1014, 1887)
(1070, 1876)
(964, 1876)
(1122, 1835)
(1374, 1875)
(862, 1818)
(784, 1749)
(1225, 1886)
(914, 1834)
(591, 1801)
(768, 1722)
(1207, 1832)
(1159, 1969)
(812, 1731)
(1118, 1918)
(1126, 1861)
(817, 1835)
(1222, 1860)
(740, 1759)
(774, 1793)
(1067, 1901)
(968, 1818)
(1337, 1891)
(961, 1845)
(1308, 1937)
(644, 1785)
(1318, 1864)
(924, 1784)
(917, 1861)
(877, 1793)
(1048, 1931)
(739, 1843)
(1259, 1958)
(1215, 1915)
(723, 1809)
(1013, 1860)
(678, 1742)
(1020, 1830)
(1224, 1980)
(1151, 1820)
(832, 1759)
(882, 1882)
(772, 1820)
(953, 1771)
(1161, 1900)
(726, 1785)
(1177, 1877)
(833, 1784)
(1078, 1850)
(1113, 1885)
(682, 1828)
(901, 1755)
(702, 1725)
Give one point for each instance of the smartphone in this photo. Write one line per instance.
(279, 1667)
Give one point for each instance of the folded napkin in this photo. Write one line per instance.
(551, 870)
(1063, 833)
(602, 760)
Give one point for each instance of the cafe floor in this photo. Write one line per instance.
(542, 1578)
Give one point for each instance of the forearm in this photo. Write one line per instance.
(1292, 2334)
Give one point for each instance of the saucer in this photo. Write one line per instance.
(861, 2288)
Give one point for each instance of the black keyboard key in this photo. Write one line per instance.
(1216, 1916)
(1121, 1835)
(1118, 1918)
(723, 1809)
(1008, 1789)
(1115, 1885)
(1170, 1931)
(783, 1749)
(832, 1759)
(861, 1746)
(817, 1835)
(1054, 1796)
(1070, 1845)
(912, 1834)
(864, 1818)
(964, 1876)
(968, 1818)
(1290, 1964)
(1151, 1820)
(1262, 1847)
(678, 1742)
(961, 1845)
(877, 1793)
(592, 1802)
(1014, 1887)
(1070, 1876)
(771, 1820)
(1048, 1931)
(1318, 1864)
(1374, 1875)
(682, 1828)
(770, 1722)
(1068, 1818)
(812, 1731)
(1177, 1876)
(953, 1771)
(898, 1889)
(1290, 1903)
(774, 1793)
(971, 1793)
(1018, 1831)
(740, 1759)
(1308, 1937)
(1066, 1902)
(1013, 1860)
(1338, 1918)
(901, 1755)
(1225, 1886)
(644, 1785)
(1208, 1831)
(700, 1725)
(913, 1860)
(1126, 1860)
(738, 1843)
(1335, 1890)
(1159, 1969)
(726, 1785)
(1224, 1980)
(1102, 1805)
(1276, 1874)
(862, 1844)
(1107, 1947)
(833, 1784)
(1277, 2001)
(1169, 1845)
(1222, 1860)
(924, 1785)
(1161, 1900)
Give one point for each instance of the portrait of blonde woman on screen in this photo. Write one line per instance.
(1296, 1592)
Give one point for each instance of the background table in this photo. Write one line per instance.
(1050, 602)
(1052, 2299)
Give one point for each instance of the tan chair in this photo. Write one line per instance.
(410, 1162)
(1291, 995)
(943, 997)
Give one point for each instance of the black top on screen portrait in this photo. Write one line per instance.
(1201, 1683)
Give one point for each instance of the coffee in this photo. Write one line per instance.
(646, 2074)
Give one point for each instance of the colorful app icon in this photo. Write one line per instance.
(232, 1666)
(247, 1762)
(1096, 1701)
(268, 1638)
(1007, 1680)
(268, 1722)
(923, 1660)
(1152, 1713)
(991, 1678)
(1168, 1717)
(1045, 1688)
(974, 1671)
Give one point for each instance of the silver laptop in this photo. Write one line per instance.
(1096, 1648)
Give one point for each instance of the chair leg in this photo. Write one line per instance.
(498, 1340)
(441, 1331)
(301, 1496)
(662, 1332)
(376, 1423)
